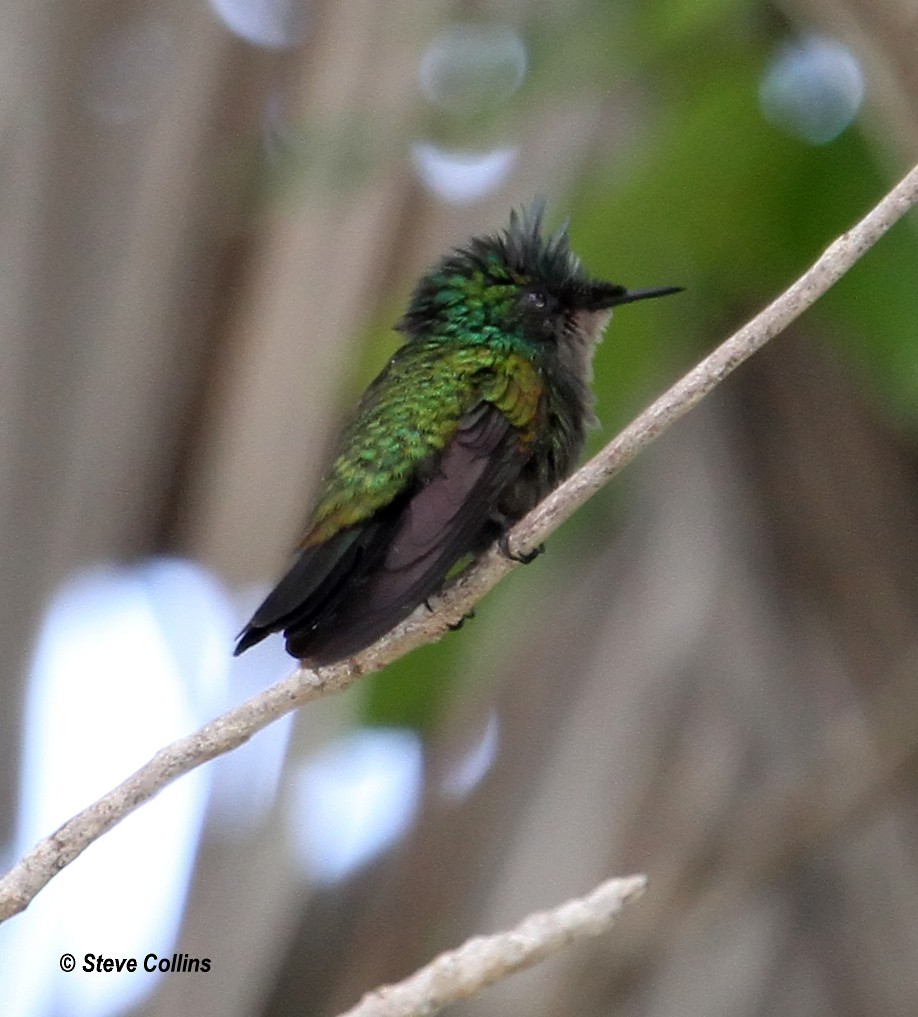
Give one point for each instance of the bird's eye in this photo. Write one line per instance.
(540, 311)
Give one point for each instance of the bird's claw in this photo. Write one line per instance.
(455, 626)
(524, 559)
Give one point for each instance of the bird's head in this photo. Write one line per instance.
(517, 287)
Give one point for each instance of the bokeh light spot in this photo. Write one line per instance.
(353, 799)
(461, 177)
(812, 88)
(474, 67)
(274, 24)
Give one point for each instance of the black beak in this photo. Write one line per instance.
(605, 295)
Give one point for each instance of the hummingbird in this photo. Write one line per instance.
(476, 417)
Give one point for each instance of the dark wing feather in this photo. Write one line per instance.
(313, 585)
(342, 595)
(448, 517)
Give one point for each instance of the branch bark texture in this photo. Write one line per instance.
(230, 730)
(483, 960)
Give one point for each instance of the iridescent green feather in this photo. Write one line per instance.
(409, 415)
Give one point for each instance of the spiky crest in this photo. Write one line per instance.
(546, 259)
(491, 269)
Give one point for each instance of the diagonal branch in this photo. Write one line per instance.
(483, 960)
(236, 726)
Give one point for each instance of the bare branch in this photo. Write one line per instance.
(483, 960)
(235, 727)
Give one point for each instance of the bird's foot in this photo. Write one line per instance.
(455, 626)
(524, 559)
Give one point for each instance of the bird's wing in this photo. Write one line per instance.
(407, 418)
(345, 592)
(444, 519)
(359, 572)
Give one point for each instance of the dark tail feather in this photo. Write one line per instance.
(314, 582)
(248, 637)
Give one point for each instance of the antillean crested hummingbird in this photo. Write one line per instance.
(476, 417)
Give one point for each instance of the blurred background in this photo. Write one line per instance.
(211, 212)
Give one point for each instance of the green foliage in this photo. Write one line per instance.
(717, 199)
(415, 690)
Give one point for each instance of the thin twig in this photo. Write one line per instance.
(483, 960)
(233, 728)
